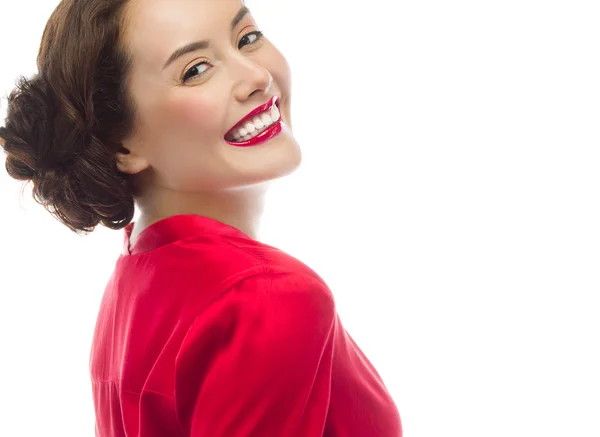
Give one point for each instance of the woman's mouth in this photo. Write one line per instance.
(260, 125)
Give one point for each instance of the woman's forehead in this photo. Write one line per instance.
(164, 25)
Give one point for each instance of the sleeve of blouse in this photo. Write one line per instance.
(257, 361)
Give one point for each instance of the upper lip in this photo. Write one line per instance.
(262, 108)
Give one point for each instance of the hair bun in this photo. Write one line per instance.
(27, 134)
(65, 125)
(67, 164)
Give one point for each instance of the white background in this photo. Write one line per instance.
(449, 195)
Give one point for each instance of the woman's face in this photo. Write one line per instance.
(187, 109)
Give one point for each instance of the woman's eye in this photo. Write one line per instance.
(200, 69)
(250, 38)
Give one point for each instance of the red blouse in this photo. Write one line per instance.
(203, 331)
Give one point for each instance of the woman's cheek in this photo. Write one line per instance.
(189, 113)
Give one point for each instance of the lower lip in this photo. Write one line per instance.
(272, 131)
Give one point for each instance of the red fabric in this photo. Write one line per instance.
(205, 332)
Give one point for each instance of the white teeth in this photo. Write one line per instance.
(266, 119)
(275, 113)
(250, 127)
(256, 125)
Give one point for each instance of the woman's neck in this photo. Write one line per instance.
(241, 208)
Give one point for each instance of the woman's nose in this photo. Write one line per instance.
(250, 78)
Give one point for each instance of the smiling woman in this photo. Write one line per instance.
(181, 108)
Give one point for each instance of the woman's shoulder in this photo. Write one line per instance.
(279, 285)
(237, 259)
(268, 304)
(200, 270)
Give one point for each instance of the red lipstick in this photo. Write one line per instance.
(266, 134)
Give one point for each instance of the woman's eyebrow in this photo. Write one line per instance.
(239, 16)
(204, 44)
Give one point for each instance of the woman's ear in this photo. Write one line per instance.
(129, 161)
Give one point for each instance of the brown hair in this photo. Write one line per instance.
(66, 123)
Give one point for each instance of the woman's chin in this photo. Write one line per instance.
(277, 157)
